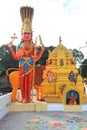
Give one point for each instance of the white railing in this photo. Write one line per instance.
(4, 100)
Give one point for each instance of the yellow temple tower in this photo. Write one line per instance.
(61, 79)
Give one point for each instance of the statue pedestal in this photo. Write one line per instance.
(37, 106)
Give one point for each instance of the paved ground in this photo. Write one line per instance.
(44, 121)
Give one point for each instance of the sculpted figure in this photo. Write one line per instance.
(27, 54)
(72, 99)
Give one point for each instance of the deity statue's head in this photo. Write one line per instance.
(26, 36)
(26, 16)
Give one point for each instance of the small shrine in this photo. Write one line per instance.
(61, 79)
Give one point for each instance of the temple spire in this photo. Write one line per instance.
(60, 40)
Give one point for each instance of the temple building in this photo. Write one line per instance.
(61, 79)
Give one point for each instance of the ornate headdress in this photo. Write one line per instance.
(26, 16)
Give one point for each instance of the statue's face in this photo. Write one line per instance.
(26, 36)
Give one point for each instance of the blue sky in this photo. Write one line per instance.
(52, 18)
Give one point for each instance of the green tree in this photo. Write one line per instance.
(7, 60)
(84, 69)
(78, 56)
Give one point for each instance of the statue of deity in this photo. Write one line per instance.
(27, 54)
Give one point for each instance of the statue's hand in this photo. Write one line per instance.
(10, 45)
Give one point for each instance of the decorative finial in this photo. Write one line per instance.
(60, 40)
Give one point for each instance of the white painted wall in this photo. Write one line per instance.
(4, 100)
(55, 107)
(84, 107)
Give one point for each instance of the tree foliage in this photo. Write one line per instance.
(7, 60)
(83, 68)
(78, 56)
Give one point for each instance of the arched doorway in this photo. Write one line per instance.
(72, 97)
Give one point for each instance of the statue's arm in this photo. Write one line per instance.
(36, 57)
(14, 55)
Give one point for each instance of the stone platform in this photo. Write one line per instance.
(37, 106)
(43, 106)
